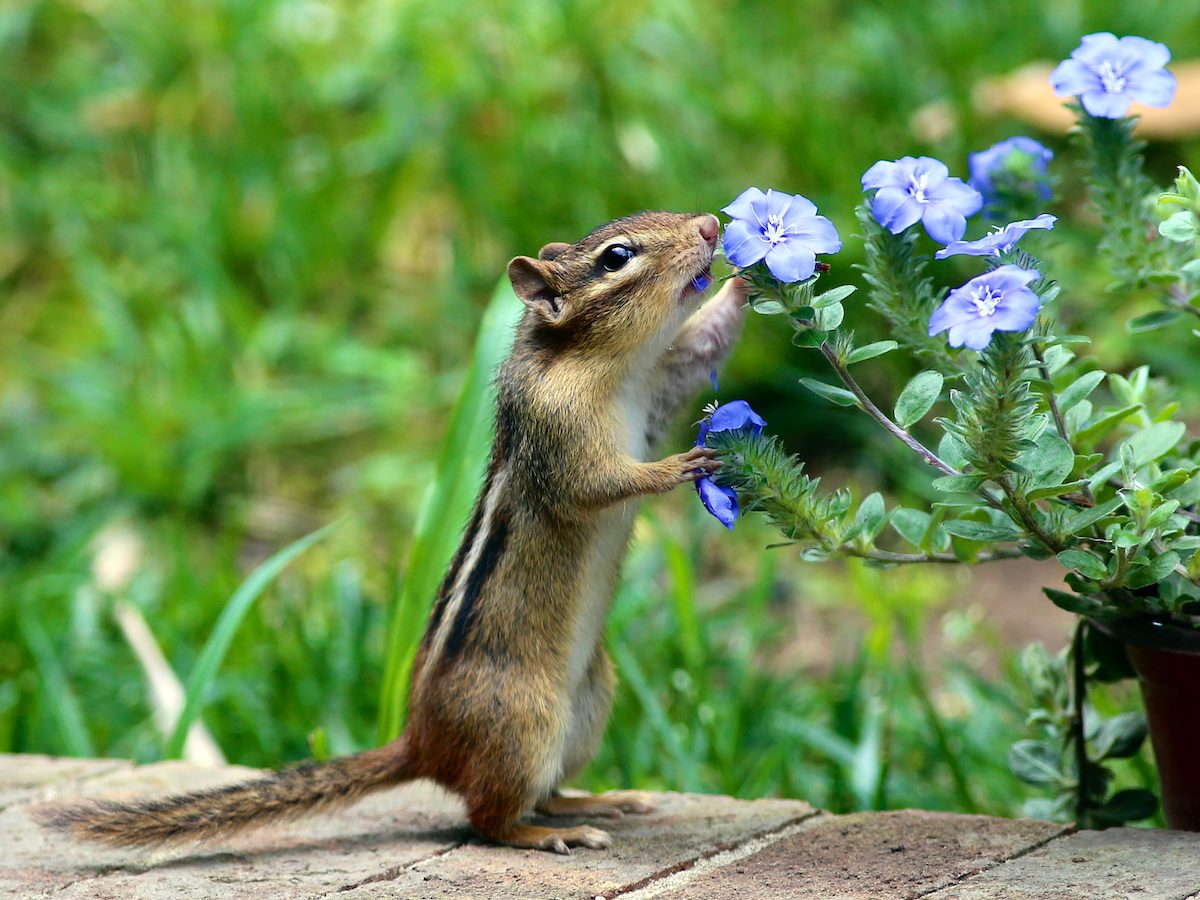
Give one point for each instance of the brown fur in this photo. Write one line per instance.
(512, 685)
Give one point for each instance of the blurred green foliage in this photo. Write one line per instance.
(244, 246)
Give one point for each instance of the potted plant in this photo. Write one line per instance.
(1035, 450)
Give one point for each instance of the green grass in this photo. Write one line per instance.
(245, 252)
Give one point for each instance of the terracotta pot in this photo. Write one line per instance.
(1167, 661)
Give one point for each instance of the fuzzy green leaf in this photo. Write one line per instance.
(833, 295)
(870, 351)
(1088, 564)
(1153, 321)
(1035, 762)
(917, 397)
(1155, 442)
(1121, 736)
(1181, 227)
(981, 531)
(1079, 389)
(829, 317)
(833, 394)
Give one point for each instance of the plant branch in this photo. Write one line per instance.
(1078, 736)
(887, 556)
(1178, 298)
(879, 416)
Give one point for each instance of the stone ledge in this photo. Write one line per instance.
(411, 842)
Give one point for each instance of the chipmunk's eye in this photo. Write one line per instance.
(615, 256)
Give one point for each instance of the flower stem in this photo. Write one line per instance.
(1078, 736)
(1052, 402)
(1178, 298)
(887, 556)
(879, 416)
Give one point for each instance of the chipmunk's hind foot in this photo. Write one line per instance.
(556, 840)
(611, 805)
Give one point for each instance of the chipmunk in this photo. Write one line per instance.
(511, 684)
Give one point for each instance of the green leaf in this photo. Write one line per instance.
(1153, 321)
(1180, 227)
(833, 295)
(1087, 437)
(808, 337)
(1129, 805)
(1049, 462)
(1155, 441)
(917, 397)
(1054, 490)
(1154, 572)
(1088, 564)
(870, 351)
(767, 307)
(1079, 604)
(829, 317)
(1121, 736)
(204, 672)
(954, 484)
(840, 396)
(911, 524)
(1035, 762)
(446, 504)
(981, 531)
(870, 518)
(1080, 389)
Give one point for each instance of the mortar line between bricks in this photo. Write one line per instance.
(393, 872)
(718, 857)
(1067, 831)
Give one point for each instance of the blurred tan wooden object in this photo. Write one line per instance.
(1026, 94)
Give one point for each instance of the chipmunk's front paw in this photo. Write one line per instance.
(682, 468)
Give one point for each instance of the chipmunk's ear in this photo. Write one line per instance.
(533, 281)
(552, 250)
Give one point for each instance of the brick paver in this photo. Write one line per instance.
(411, 843)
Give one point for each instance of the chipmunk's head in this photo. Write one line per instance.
(621, 287)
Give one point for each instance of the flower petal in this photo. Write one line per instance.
(1072, 78)
(975, 334)
(743, 244)
(1017, 311)
(934, 170)
(743, 205)
(817, 233)
(791, 261)
(957, 195)
(734, 415)
(895, 209)
(1104, 105)
(886, 174)
(800, 208)
(944, 223)
(721, 502)
(955, 310)
(1153, 88)
(1149, 54)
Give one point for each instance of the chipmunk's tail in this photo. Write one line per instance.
(286, 794)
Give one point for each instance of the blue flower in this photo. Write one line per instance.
(920, 189)
(1108, 74)
(721, 501)
(999, 300)
(783, 229)
(1016, 165)
(999, 240)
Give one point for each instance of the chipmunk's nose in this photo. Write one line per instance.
(710, 228)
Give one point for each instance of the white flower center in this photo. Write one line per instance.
(986, 299)
(917, 185)
(1112, 76)
(775, 231)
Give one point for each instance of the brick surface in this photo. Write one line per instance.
(866, 856)
(411, 842)
(1094, 865)
(685, 827)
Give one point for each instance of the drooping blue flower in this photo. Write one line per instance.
(783, 229)
(999, 240)
(720, 501)
(920, 189)
(1014, 166)
(1107, 74)
(999, 300)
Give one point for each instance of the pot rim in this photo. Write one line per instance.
(1151, 632)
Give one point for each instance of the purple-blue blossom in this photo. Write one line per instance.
(782, 229)
(999, 300)
(1107, 74)
(1014, 165)
(720, 501)
(920, 189)
(999, 240)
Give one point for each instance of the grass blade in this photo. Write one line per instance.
(204, 672)
(446, 505)
(64, 705)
